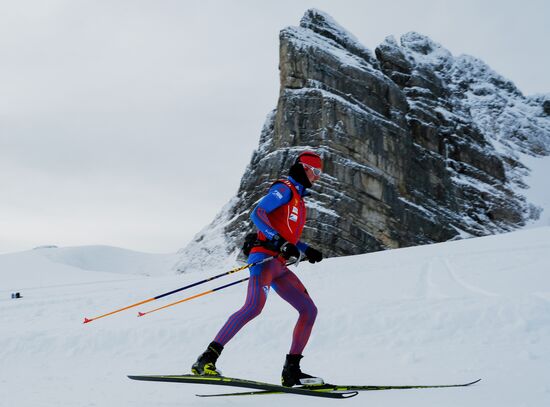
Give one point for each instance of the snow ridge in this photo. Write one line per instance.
(448, 312)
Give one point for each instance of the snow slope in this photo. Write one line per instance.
(442, 313)
(538, 192)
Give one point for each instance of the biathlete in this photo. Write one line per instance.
(280, 218)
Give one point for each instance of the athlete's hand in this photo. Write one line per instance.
(313, 256)
(277, 242)
(289, 250)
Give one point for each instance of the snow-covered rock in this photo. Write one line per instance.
(420, 146)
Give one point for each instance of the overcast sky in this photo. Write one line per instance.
(129, 123)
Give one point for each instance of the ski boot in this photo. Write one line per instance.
(206, 363)
(292, 374)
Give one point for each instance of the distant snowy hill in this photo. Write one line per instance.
(448, 312)
(45, 264)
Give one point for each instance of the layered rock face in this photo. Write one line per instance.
(419, 146)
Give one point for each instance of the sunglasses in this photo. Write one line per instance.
(316, 171)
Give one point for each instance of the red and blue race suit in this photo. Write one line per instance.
(281, 212)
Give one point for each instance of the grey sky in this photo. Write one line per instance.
(129, 123)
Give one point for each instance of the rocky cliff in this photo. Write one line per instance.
(419, 146)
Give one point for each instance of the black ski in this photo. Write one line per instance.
(250, 384)
(342, 388)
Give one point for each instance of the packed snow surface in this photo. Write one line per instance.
(444, 313)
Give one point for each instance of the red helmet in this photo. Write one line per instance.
(310, 158)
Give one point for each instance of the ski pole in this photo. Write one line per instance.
(87, 320)
(140, 314)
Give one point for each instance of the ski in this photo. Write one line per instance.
(322, 391)
(342, 388)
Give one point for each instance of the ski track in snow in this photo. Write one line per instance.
(436, 314)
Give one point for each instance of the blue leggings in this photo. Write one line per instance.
(287, 285)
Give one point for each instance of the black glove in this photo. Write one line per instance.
(250, 241)
(313, 256)
(276, 243)
(289, 250)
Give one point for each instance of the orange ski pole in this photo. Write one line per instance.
(140, 314)
(87, 320)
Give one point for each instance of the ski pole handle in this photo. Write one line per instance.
(235, 270)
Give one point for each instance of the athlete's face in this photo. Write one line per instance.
(313, 174)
